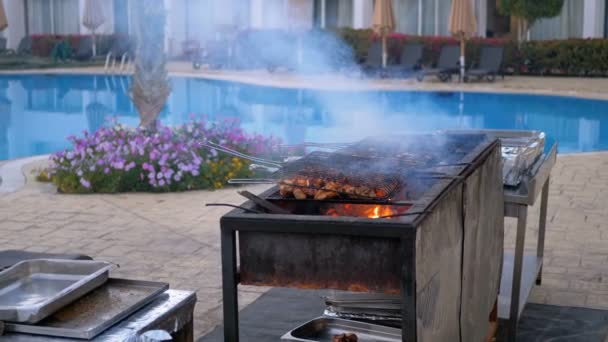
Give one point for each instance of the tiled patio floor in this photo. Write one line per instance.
(175, 238)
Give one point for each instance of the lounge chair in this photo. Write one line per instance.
(84, 51)
(373, 61)
(448, 64)
(3, 49)
(410, 60)
(121, 46)
(489, 65)
(25, 46)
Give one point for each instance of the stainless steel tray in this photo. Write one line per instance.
(97, 311)
(34, 289)
(323, 329)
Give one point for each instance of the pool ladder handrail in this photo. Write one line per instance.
(125, 63)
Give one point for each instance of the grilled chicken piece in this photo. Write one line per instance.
(380, 193)
(364, 191)
(349, 189)
(325, 194)
(298, 193)
(286, 190)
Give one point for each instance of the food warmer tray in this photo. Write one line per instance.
(323, 329)
(97, 311)
(32, 290)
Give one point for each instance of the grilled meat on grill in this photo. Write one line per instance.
(346, 337)
(302, 187)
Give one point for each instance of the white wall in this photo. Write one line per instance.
(363, 11)
(15, 14)
(593, 23)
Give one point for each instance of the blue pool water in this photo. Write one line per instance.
(37, 112)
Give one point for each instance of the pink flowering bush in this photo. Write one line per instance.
(122, 159)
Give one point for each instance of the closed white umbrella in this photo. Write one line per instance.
(463, 25)
(384, 23)
(93, 18)
(3, 20)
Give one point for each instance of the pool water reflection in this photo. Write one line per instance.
(37, 112)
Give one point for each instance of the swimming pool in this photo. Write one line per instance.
(37, 112)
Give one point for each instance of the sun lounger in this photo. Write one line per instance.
(373, 61)
(449, 57)
(490, 64)
(410, 61)
(84, 50)
(25, 46)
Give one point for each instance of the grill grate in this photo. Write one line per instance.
(322, 174)
(374, 169)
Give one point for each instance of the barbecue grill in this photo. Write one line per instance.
(441, 250)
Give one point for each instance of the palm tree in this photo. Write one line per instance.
(150, 88)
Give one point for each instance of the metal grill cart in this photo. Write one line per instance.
(526, 174)
(429, 255)
(520, 270)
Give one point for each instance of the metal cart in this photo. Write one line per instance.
(521, 270)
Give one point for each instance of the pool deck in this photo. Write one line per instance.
(175, 238)
(564, 86)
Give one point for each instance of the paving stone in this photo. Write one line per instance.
(567, 298)
(175, 238)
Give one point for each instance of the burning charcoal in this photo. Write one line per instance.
(346, 337)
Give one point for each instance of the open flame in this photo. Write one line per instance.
(365, 210)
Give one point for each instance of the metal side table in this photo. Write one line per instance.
(520, 270)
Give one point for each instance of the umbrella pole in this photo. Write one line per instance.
(384, 54)
(462, 52)
(94, 44)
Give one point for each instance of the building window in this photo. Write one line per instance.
(53, 16)
(333, 13)
(606, 20)
(422, 17)
(569, 24)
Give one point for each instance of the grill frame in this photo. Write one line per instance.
(404, 231)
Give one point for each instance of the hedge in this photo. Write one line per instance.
(571, 57)
(43, 44)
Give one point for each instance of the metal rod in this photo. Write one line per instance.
(252, 181)
(233, 206)
(522, 215)
(273, 208)
(320, 145)
(405, 214)
(540, 248)
(242, 155)
(229, 286)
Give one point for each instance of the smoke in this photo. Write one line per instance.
(283, 40)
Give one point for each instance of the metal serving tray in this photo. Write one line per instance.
(34, 289)
(97, 311)
(323, 329)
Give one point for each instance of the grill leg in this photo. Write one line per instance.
(408, 292)
(522, 215)
(540, 248)
(229, 286)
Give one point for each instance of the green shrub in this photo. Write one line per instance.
(121, 159)
(570, 57)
